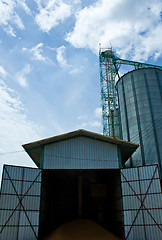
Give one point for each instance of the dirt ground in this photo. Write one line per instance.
(81, 230)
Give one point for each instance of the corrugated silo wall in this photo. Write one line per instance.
(140, 103)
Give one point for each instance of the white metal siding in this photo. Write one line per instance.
(142, 199)
(20, 185)
(80, 153)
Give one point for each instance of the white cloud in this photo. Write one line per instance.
(62, 61)
(77, 70)
(16, 128)
(3, 72)
(95, 123)
(82, 125)
(41, 3)
(18, 22)
(50, 15)
(98, 112)
(37, 52)
(9, 17)
(51, 48)
(131, 27)
(21, 76)
(82, 117)
(91, 121)
(60, 56)
(9, 30)
(25, 7)
(6, 11)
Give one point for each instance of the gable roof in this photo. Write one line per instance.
(34, 148)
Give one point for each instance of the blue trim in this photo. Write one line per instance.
(138, 120)
(119, 117)
(153, 123)
(119, 157)
(126, 113)
(159, 83)
(42, 157)
(126, 117)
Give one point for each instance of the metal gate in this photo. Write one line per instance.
(142, 203)
(20, 203)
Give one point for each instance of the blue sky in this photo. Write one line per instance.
(49, 67)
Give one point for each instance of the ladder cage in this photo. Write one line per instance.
(109, 98)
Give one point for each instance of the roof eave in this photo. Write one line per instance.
(34, 148)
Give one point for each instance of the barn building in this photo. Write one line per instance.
(80, 175)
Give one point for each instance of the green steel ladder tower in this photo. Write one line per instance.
(109, 66)
(109, 100)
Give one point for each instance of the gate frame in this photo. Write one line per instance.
(19, 198)
(140, 199)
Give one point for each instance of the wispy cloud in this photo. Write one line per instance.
(51, 14)
(132, 30)
(9, 30)
(3, 71)
(37, 52)
(95, 123)
(82, 117)
(76, 70)
(24, 6)
(21, 76)
(98, 112)
(92, 121)
(16, 128)
(9, 18)
(62, 61)
(60, 56)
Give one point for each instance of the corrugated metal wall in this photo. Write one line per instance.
(19, 203)
(80, 153)
(140, 100)
(142, 199)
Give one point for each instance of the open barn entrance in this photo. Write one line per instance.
(68, 195)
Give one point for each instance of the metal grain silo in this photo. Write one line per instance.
(140, 103)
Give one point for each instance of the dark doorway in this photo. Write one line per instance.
(68, 195)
